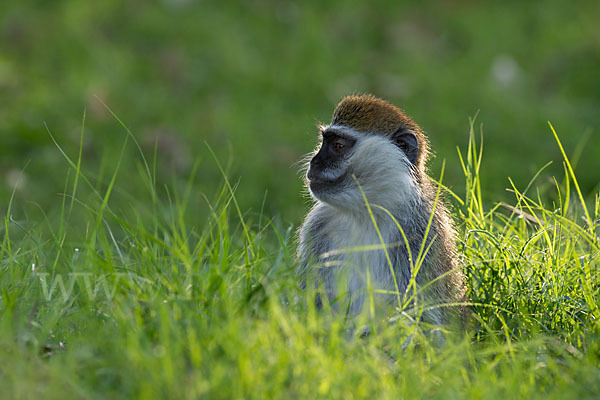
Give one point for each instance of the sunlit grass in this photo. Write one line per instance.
(159, 302)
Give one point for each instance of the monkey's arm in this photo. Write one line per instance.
(314, 244)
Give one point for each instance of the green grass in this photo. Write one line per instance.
(178, 236)
(169, 301)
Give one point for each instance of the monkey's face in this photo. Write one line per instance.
(327, 171)
(349, 164)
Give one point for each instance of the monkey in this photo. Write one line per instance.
(377, 220)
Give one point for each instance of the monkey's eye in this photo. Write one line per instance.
(338, 146)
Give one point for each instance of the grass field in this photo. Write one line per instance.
(146, 301)
(149, 251)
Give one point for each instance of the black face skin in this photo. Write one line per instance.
(334, 149)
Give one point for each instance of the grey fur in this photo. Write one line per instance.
(340, 220)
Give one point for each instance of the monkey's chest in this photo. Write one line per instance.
(361, 257)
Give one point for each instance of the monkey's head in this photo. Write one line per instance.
(370, 143)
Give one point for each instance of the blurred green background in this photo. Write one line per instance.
(252, 79)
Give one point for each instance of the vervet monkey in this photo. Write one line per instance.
(374, 207)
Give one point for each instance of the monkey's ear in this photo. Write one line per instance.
(407, 141)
